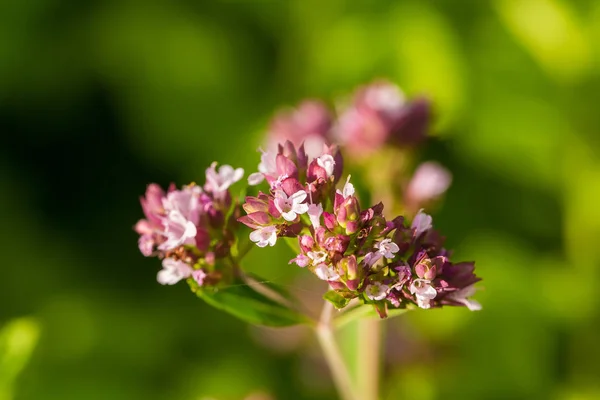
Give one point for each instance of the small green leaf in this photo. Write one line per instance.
(248, 304)
(336, 299)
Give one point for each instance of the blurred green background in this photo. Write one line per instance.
(98, 98)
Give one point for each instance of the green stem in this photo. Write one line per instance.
(331, 351)
(369, 338)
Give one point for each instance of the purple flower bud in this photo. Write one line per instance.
(409, 127)
(254, 204)
(315, 171)
(329, 220)
(256, 220)
(286, 167)
(152, 203)
(202, 239)
(347, 212)
(348, 268)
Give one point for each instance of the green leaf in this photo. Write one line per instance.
(249, 304)
(364, 311)
(336, 299)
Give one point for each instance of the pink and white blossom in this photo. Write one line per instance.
(178, 231)
(219, 181)
(326, 272)
(267, 166)
(376, 291)
(264, 236)
(173, 271)
(386, 248)
(423, 291)
(326, 162)
(317, 257)
(290, 207)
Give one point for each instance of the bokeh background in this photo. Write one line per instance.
(98, 98)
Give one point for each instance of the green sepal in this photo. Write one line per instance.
(336, 299)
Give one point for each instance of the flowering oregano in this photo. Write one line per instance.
(364, 256)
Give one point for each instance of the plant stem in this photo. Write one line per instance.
(331, 351)
(369, 353)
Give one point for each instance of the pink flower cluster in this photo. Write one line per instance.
(189, 228)
(376, 116)
(361, 254)
(356, 251)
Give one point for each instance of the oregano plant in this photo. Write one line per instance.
(380, 259)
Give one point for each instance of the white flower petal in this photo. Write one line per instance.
(255, 178)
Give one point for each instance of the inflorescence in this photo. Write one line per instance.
(399, 262)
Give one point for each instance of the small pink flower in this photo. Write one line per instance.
(326, 162)
(219, 182)
(301, 260)
(267, 166)
(173, 271)
(291, 206)
(387, 248)
(264, 236)
(423, 291)
(317, 257)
